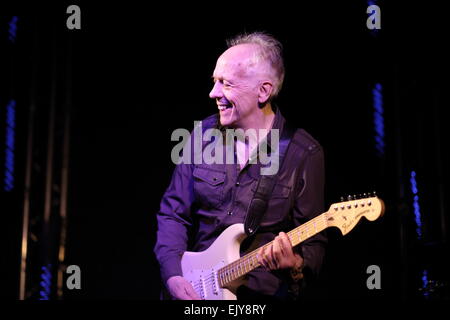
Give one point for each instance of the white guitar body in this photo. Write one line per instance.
(200, 268)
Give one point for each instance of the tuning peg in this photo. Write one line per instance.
(364, 195)
(355, 197)
(342, 199)
(374, 194)
(349, 198)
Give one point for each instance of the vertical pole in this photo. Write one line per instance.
(28, 173)
(401, 205)
(47, 234)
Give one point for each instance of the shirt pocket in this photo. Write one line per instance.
(209, 186)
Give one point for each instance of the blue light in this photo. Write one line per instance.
(424, 278)
(425, 284)
(9, 145)
(378, 119)
(46, 282)
(416, 206)
(13, 29)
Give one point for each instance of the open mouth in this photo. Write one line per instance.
(223, 107)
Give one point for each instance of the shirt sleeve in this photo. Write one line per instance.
(309, 203)
(174, 221)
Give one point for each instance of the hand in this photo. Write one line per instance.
(279, 255)
(181, 289)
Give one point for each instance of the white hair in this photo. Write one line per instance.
(270, 50)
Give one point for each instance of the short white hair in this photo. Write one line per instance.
(270, 50)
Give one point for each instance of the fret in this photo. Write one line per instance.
(299, 234)
(254, 261)
(249, 262)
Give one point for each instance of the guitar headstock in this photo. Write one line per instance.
(345, 215)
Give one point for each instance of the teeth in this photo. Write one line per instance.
(221, 108)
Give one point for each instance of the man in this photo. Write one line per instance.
(203, 200)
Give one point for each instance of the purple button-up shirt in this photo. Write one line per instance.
(203, 200)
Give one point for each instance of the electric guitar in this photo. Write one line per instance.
(215, 272)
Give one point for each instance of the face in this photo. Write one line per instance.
(237, 85)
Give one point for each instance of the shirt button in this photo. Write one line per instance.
(229, 213)
(237, 184)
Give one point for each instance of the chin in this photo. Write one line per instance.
(225, 122)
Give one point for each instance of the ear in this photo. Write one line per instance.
(265, 91)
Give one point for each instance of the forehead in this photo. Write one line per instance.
(235, 61)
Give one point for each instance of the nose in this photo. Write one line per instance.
(216, 92)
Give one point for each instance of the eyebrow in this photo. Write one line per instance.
(221, 78)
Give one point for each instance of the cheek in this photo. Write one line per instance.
(241, 98)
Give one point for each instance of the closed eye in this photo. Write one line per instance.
(224, 82)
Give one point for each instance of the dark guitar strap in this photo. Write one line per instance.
(258, 205)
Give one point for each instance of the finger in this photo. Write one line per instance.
(192, 294)
(259, 256)
(286, 243)
(181, 294)
(277, 252)
(270, 258)
(266, 256)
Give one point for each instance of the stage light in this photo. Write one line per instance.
(12, 31)
(46, 282)
(416, 205)
(9, 145)
(378, 119)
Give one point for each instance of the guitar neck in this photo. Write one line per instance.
(249, 262)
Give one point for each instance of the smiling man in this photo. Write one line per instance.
(203, 200)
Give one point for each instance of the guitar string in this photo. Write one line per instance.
(319, 224)
(295, 234)
(229, 270)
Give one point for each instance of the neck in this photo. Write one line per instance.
(261, 119)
